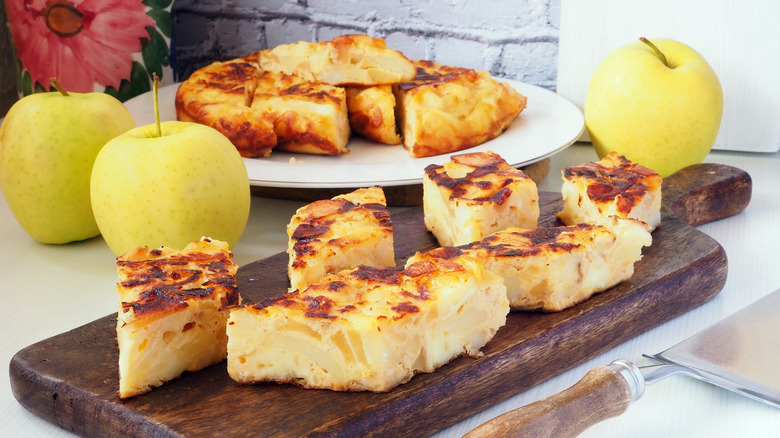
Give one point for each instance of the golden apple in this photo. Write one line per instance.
(169, 184)
(657, 103)
(48, 143)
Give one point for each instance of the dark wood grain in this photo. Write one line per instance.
(71, 379)
(707, 192)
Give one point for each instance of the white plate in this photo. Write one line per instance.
(549, 124)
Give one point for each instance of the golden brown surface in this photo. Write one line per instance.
(616, 178)
(554, 268)
(328, 299)
(372, 113)
(475, 194)
(308, 117)
(161, 280)
(478, 177)
(611, 186)
(260, 111)
(345, 60)
(446, 109)
(329, 235)
(220, 96)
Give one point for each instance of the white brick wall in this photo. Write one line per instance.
(515, 39)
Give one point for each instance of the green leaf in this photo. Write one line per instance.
(154, 52)
(157, 4)
(111, 91)
(164, 21)
(138, 84)
(26, 82)
(40, 88)
(140, 80)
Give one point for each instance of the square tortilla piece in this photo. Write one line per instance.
(474, 195)
(612, 186)
(330, 235)
(370, 328)
(554, 268)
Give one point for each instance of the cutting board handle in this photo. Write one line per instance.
(703, 193)
(603, 393)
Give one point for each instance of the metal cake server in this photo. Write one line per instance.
(740, 353)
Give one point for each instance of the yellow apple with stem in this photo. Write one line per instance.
(658, 103)
(48, 144)
(169, 183)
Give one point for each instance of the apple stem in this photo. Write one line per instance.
(56, 85)
(657, 52)
(155, 87)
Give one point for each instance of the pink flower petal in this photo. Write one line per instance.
(100, 53)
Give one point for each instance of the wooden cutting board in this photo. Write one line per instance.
(71, 379)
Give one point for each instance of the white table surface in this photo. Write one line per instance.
(48, 290)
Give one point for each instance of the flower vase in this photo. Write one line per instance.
(111, 46)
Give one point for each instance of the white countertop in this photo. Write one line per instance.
(48, 290)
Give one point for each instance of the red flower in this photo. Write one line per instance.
(80, 42)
